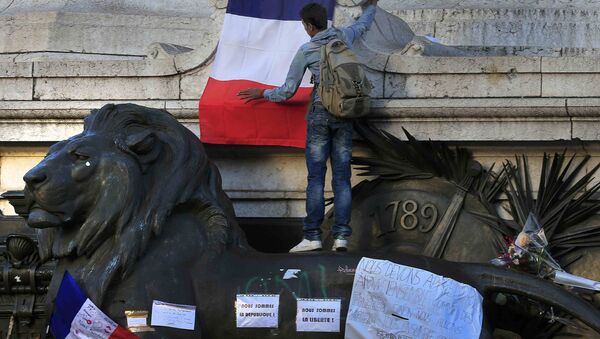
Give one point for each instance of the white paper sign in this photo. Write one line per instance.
(91, 322)
(318, 315)
(257, 310)
(396, 301)
(173, 315)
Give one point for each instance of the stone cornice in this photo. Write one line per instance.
(462, 119)
(397, 64)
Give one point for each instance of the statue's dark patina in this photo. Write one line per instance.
(134, 210)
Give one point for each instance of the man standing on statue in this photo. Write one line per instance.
(327, 136)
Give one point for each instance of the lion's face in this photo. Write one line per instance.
(73, 184)
(56, 186)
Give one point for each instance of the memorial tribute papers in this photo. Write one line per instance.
(396, 301)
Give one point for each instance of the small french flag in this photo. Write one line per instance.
(76, 316)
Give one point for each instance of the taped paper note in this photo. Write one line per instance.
(173, 315)
(137, 321)
(318, 315)
(396, 301)
(136, 318)
(257, 310)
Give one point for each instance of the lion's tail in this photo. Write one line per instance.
(488, 279)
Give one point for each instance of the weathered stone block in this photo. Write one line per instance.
(26, 32)
(113, 68)
(571, 85)
(279, 208)
(462, 85)
(193, 83)
(99, 33)
(16, 88)
(571, 65)
(107, 88)
(550, 27)
(15, 69)
(271, 173)
(462, 65)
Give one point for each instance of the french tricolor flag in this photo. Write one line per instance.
(258, 42)
(76, 317)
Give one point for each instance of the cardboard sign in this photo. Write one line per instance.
(136, 318)
(173, 315)
(257, 310)
(396, 301)
(318, 315)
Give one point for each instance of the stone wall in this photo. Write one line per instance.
(492, 104)
(498, 106)
(101, 30)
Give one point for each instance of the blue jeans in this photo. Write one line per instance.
(328, 136)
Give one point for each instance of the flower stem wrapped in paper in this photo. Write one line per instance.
(529, 252)
(532, 245)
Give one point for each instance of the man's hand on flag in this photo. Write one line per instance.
(251, 94)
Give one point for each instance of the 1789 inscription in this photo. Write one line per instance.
(407, 214)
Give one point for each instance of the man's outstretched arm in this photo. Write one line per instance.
(285, 91)
(361, 25)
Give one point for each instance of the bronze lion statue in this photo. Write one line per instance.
(134, 210)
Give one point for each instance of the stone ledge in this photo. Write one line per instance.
(584, 107)
(394, 64)
(50, 121)
(534, 119)
(488, 119)
(473, 108)
(268, 195)
(24, 110)
(52, 130)
(477, 130)
(498, 107)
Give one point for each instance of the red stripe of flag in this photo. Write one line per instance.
(225, 119)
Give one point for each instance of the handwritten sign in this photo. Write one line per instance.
(173, 315)
(318, 315)
(91, 322)
(257, 310)
(396, 301)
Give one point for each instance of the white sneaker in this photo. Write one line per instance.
(340, 245)
(307, 245)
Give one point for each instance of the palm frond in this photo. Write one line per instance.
(411, 158)
(562, 200)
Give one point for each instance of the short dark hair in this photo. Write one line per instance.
(314, 14)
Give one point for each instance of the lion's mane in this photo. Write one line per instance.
(165, 166)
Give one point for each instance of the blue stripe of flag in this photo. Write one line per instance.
(69, 300)
(275, 9)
